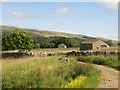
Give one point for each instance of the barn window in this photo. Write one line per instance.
(103, 46)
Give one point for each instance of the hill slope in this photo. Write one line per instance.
(42, 33)
(37, 34)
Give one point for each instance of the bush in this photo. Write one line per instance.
(83, 69)
(111, 61)
(99, 60)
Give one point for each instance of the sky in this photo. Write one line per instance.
(98, 19)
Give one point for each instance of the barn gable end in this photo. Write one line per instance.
(62, 45)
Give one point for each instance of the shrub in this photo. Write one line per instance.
(111, 61)
(99, 60)
(83, 69)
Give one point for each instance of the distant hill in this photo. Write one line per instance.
(41, 33)
(46, 34)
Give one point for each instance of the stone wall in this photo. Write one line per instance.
(16, 54)
(86, 53)
(73, 53)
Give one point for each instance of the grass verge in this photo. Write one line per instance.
(110, 61)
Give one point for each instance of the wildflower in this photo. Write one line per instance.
(76, 82)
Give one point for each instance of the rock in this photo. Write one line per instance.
(64, 59)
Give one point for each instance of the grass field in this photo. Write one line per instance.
(54, 50)
(47, 72)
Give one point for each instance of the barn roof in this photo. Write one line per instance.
(62, 44)
(89, 41)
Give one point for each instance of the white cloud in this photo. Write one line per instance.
(64, 10)
(3, 1)
(111, 4)
(19, 15)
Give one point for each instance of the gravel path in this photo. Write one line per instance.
(109, 77)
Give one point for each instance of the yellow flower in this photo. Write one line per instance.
(76, 82)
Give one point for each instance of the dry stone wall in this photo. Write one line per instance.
(73, 53)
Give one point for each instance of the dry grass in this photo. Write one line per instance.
(18, 60)
(110, 49)
(54, 50)
(49, 50)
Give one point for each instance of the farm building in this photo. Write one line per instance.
(62, 45)
(90, 44)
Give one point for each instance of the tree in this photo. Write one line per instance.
(36, 45)
(69, 42)
(17, 40)
(110, 43)
(45, 44)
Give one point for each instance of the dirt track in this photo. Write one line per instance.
(109, 77)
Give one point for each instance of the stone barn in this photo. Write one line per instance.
(62, 45)
(92, 44)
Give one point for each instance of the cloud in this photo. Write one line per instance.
(64, 10)
(19, 15)
(111, 4)
(3, 1)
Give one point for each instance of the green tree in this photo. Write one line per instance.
(45, 44)
(110, 43)
(17, 40)
(36, 45)
(67, 41)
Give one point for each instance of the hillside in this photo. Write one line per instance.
(38, 34)
(41, 33)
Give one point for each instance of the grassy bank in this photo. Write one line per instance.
(110, 61)
(46, 72)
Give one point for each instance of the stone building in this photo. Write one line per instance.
(92, 44)
(62, 45)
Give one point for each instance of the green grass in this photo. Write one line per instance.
(44, 72)
(93, 77)
(110, 61)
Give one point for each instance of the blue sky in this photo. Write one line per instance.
(88, 18)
